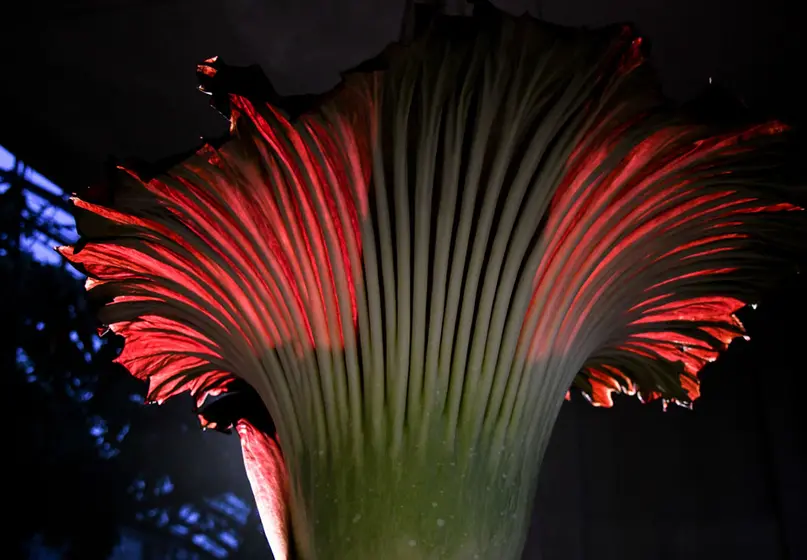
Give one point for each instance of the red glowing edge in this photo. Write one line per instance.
(261, 242)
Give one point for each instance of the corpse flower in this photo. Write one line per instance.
(410, 272)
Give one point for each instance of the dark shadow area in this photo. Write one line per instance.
(725, 480)
(94, 473)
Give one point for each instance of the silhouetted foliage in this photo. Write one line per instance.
(88, 459)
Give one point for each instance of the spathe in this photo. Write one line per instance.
(411, 270)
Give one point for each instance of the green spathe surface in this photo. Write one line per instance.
(438, 501)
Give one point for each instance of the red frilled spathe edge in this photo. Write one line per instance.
(231, 251)
(675, 236)
(257, 246)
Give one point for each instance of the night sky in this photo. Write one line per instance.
(89, 79)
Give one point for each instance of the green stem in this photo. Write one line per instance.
(432, 502)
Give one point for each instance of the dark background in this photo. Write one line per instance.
(85, 80)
